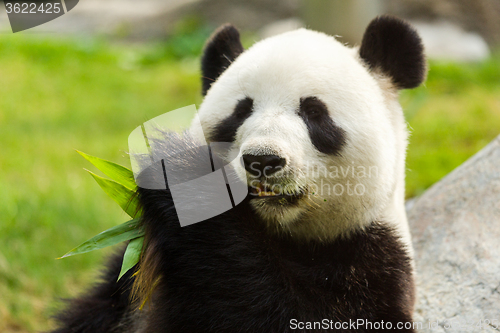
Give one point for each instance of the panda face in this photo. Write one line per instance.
(321, 135)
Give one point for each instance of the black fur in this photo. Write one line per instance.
(392, 46)
(226, 129)
(228, 274)
(220, 51)
(104, 308)
(327, 137)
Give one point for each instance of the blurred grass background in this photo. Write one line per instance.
(57, 95)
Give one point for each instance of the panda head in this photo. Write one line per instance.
(317, 124)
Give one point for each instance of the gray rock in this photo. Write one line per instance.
(115, 17)
(456, 232)
(480, 16)
(447, 41)
(149, 19)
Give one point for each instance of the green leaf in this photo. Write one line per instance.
(123, 196)
(132, 255)
(114, 171)
(120, 233)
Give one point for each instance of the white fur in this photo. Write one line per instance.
(276, 73)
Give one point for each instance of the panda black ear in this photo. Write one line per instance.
(393, 47)
(221, 49)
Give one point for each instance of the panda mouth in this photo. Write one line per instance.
(275, 192)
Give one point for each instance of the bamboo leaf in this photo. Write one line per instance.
(132, 255)
(120, 233)
(123, 196)
(118, 173)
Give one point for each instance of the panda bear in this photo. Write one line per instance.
(321, 243)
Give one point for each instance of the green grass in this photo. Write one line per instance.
(61, 95)
(454, 115)
(57, 96)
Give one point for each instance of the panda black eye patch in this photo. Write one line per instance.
(225, 131)
(325, 135)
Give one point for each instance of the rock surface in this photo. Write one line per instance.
(446, 41)
(456, 232)
(480, 16)
(150, 19)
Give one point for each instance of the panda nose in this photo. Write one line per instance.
(263, 165)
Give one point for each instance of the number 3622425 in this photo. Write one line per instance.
(33, 8)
